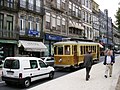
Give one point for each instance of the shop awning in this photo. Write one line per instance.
(33, 46)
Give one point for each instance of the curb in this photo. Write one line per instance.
(118, 84)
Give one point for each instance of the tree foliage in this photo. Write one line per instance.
(118, 18)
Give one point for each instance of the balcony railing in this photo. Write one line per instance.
(31, 7)
(8, 5)
(9, 34)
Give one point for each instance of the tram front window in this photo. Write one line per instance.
(60, 50)
(67, 50)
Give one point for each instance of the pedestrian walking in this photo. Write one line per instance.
(109, 61)
(88, 64)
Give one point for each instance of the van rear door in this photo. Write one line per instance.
(11, 68)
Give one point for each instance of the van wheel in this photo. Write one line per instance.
(26, 82)
(51, 75)
(8, 83)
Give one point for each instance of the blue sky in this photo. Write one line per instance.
(111, 5)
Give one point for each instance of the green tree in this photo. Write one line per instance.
(118, 18)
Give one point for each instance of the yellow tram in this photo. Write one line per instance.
(71, 53)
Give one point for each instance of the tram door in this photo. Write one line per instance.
(75, 54)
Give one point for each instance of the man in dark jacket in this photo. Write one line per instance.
(88, 64)
(109, 61)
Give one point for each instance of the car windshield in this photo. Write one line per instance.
(11, 64)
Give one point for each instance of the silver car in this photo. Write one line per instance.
(48, 60)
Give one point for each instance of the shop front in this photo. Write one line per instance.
(50, 39)
(31, 48)
(7, 48)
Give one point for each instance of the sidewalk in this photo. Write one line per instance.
(76, 80)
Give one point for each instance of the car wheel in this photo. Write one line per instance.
(51, 75)
(8, 83)
(26, 82)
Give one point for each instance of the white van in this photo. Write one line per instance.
(24, 70)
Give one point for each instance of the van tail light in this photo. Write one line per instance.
(20, 75)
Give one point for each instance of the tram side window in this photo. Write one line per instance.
(81, 47)
(67, 50)
(55, 49)
(84, 50)
(94, 49)
(60, 50)
(91, 48)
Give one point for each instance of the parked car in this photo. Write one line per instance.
(24, 70)
(48, 60)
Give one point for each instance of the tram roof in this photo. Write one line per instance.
(74, 42)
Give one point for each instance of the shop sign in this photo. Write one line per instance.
(33, 32)
(53, 37)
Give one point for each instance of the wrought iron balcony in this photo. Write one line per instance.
(31, 7)
(9, 34)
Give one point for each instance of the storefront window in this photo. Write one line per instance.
(6, 51)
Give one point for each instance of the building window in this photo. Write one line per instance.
(22, 22)
(10, 3)
(58, 23)
(77, 11)
(47, 20)
(1, 21)
(9, 25)
(70, 8)
(70, 30)
(58, 4)
(37, 26)
(38, 5)
(63, 25)
(31, 4)
(86, 3)
(83, 2)
(74, 8)
(30, 23)
(1, 24)
(1, 2)
(53, 22)
(63, 4)
(23, 3)
(83, 15)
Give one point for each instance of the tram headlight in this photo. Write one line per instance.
(60, 60)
